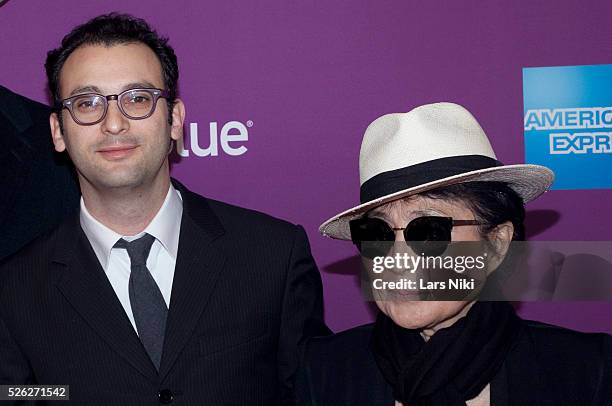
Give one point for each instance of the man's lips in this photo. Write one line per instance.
(117, 151)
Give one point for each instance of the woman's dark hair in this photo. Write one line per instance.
(111, 29)
(493, 203)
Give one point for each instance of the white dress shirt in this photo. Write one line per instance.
(165, 227)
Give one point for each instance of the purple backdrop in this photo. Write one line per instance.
(311, 78)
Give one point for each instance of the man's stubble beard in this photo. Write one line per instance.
(132, 176)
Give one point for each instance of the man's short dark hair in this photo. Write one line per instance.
(108, 30)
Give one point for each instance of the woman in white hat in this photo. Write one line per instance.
(431, 174)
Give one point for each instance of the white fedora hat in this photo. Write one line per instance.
(431, 146)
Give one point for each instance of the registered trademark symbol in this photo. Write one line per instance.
(249, 123)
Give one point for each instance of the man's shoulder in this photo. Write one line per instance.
(39, 246)
(32, 257)
(243, 220)
(229, 211)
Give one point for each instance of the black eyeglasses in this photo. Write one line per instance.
(428, 235)
(91, 108)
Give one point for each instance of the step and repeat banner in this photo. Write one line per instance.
(278, 95)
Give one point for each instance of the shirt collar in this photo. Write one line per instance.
(165, 227)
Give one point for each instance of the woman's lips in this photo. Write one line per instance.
(403, 295)
(117, 151)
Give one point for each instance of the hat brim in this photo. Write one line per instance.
(528, 181)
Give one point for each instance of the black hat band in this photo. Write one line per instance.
(390, 182)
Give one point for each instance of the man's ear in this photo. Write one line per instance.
(500, 238)
(178, 119)
(56, 133)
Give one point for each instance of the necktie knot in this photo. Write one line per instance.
(138, 250)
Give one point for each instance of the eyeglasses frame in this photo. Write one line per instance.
(157, 94)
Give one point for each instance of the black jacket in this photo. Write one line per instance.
(38, 188)
(246, 293)
(548, 366)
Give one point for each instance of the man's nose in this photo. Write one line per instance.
(115, 122)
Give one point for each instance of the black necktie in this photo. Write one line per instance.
(148, 305)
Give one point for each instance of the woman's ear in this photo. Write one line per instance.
(500, 238)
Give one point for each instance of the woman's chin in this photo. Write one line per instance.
(422, 314)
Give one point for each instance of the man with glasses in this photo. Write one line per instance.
(151, 293)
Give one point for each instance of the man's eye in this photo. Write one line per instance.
(87, 104)
(139, 99)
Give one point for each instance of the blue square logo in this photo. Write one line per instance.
(568, 123)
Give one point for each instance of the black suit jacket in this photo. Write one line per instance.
(246, 293)
(38, 187)
(548, 366)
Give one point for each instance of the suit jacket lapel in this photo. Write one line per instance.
(199, 263)
(89, 291)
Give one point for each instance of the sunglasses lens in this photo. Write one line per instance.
(373, 237)
(429, 235)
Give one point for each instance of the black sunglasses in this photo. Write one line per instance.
(427, 235)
